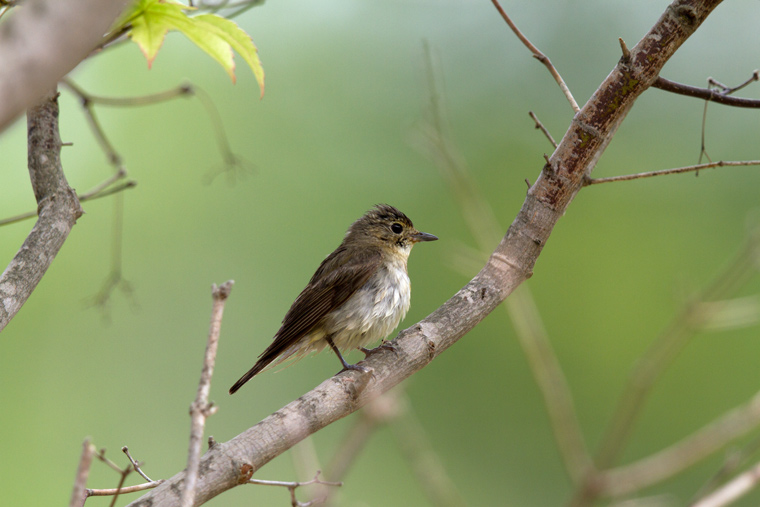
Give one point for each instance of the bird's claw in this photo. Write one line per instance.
(357, 367)
(385, 345)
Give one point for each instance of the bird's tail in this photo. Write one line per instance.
(260, 365)
(274, 354)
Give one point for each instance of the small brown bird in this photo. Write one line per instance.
(358, 295)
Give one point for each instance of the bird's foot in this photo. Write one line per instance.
(359, 368)
(385, 345)
(355, 367)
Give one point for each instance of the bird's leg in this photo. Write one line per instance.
(384, 345)
(346, 366)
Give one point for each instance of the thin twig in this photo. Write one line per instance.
(143, 100)
(237, 8)
(706, 93)
(681, 455)
(233, 164)
(703, 135)
(96, 193)
(115, 277)
(543, 129)
(539, 56)
(425, 463)
(201, 408)
(102, 457)
(123, 472)
(533, 340)
(100, 187)
(665, 348)
(731, 463)
(125, 490)
(675, 170)
(120, 487)
(733, 490)
(292, 486)
(380, 411)
(79, 493)
(135, 464)
(547, 372)
(305, 460)
(729, 90)
(86, 100)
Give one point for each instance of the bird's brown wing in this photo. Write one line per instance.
(337, 278)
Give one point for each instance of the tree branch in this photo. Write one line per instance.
(79, 493)
(681, 455)
(201, 408)
(673, 170)
(538, 55)
(733, 490)
(58, 209)
(40, 47)
(718, 96)
(233, 462)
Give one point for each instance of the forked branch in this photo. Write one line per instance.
(232, 463)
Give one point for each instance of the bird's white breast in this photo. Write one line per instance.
(376, 309)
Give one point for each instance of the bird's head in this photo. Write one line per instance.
(386, 227)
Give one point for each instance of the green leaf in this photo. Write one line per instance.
(217, 36)
(149, 26)
(236, 37)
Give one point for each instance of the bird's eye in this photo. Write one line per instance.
(397, 228)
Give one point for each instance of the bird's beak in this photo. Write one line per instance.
(423, 236)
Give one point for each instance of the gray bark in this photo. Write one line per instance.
(231, 463)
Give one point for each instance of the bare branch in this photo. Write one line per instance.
(292, 486)
(231, 161)
(718, 96)
(551, 380)
(650, 366)
(201, 408)
(142, 100)
(233, 462)
(415, 445)
(58, 209)
(113, 466)
(376, 413)
(79, 494)
(543, 129)
(521, 307)
(539, 56)
(126, 489)
(135, 464)
(676, 170)
(102, 189)
(676, 458)
(733, 460)
(123, 473)
(733, 490)
(728, 90)
(39, 47)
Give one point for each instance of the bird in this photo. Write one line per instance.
(357, 296)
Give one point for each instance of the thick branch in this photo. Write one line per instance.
(58, 209)
(231, 463)
(38, 46)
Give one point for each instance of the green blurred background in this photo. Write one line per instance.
(345, 91)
